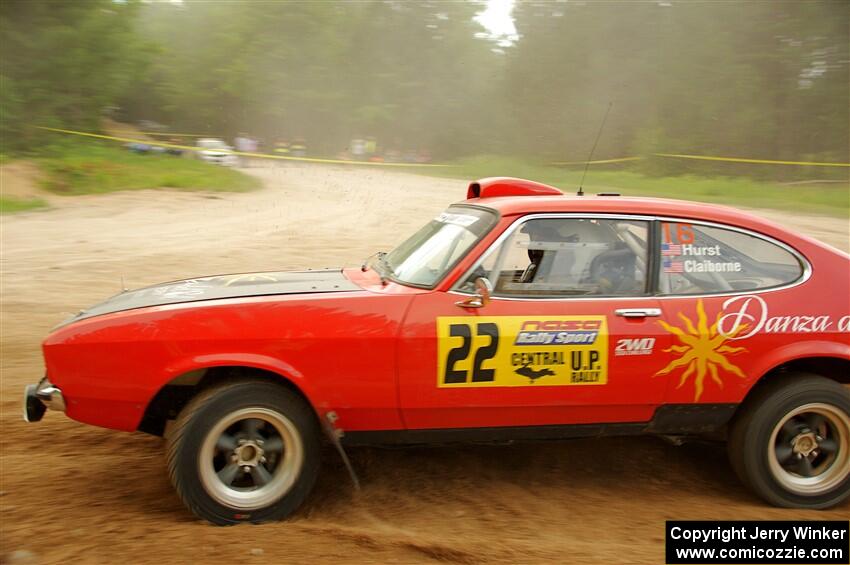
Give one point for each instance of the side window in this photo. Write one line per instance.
(699, 259)
(556, 257)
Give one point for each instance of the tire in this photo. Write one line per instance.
(267, 432)
(790, 442)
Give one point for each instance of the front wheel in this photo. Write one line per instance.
(246, 451)
(791, 443)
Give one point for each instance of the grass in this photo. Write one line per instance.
(85, 167)
(828, 199)
(10, 205)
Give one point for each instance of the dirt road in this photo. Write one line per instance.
(73, 493)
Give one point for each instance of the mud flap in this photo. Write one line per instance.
(334, 434)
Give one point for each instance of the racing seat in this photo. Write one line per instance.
(556, 266)
(542, 261)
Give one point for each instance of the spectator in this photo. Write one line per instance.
(244, 144)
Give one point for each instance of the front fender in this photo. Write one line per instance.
(337, 348)
(283, 369)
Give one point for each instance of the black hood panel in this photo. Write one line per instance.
(223, 286)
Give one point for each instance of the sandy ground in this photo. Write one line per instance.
(21, 180)
(73, 493)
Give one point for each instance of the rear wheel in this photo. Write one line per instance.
(791, 442)
(244, 452)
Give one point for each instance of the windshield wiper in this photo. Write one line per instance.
(388, 270)
(379, 255)
(378, 262)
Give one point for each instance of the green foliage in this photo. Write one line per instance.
(747, 79)
(766, 80)
(829, 199)
(403, 72)
(89, 167)
(9, 205)
(63, 64)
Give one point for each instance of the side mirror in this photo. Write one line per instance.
(483, 290)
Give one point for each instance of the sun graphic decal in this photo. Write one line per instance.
(702, 350)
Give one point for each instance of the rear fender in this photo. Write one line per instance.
(800, 350)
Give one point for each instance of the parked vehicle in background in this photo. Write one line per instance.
(174, 150)
(298, 148)
(281, 147)
(216, 151)
(138, 147)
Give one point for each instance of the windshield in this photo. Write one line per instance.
(426, 257)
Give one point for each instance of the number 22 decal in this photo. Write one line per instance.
(461, 352)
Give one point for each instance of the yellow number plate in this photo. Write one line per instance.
(522, 351)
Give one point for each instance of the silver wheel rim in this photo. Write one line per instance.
(251, 458)
(809, 449)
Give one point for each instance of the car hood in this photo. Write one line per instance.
(222, 286)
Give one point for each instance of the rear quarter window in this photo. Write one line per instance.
(699, 259)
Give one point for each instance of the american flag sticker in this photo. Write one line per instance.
(673, 266)
(668, 249)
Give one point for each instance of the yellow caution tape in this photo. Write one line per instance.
(620, 160)
(369, 163)
(113, 138)
(707, 158)
(241, 153)
(761, 161)
(166, 134)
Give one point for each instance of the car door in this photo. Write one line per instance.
(718, 286)
(567, 338)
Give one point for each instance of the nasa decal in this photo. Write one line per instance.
(505, 351)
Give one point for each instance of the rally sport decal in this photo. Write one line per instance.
(502, 351)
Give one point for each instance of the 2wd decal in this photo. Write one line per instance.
(634, 346)
(504, 351)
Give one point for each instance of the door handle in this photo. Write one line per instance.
(637, 312)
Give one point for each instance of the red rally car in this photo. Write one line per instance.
(520, 313)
